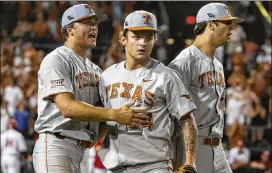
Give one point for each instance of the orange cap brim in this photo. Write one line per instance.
(100, 17)
(234, 19)
(143, 28)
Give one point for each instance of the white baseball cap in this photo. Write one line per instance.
(216, 11)
(80, 12)
(141, 20)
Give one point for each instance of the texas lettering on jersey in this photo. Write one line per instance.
(207, 76)
(112, 91)
(84, 79)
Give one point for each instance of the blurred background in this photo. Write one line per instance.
(30, 30)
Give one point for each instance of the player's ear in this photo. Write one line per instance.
(70, 30)
(211, 25)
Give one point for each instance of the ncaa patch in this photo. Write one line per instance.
(211, 15)
(126, 23)
(70, 17)
(56, 83)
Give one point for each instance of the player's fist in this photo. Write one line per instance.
(130, 116)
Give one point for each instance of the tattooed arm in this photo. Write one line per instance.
(189, 133)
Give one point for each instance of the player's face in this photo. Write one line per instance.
(223, 32)
(139, 44)
(85, 32)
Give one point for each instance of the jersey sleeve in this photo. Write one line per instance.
(178, 100)
(54, 77)
(182, 67)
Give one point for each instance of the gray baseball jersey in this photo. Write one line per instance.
(64, 71)
(204, 79)
(155, 88)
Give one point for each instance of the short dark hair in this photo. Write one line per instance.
(199, 28)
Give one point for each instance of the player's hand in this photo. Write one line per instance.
(131, 117)
(186, 169)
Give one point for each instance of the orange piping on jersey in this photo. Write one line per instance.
(46, 161)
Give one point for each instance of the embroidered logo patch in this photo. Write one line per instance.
(70, 17)
(56, 83)
(211, 15)
(147, 18)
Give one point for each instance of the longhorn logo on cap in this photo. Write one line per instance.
(147, 18)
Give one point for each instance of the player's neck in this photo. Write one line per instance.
(79, 50)
(132, 64)
(205, 45)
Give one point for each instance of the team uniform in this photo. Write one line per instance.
(12, 145)
(157, 89)
(203, 77)
(64, 71)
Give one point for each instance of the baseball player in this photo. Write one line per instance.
(68, 121)
(203, 76)
(153, 86)
(13, 146)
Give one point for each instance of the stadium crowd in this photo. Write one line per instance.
(32, 29)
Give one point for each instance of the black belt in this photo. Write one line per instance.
(80, 143)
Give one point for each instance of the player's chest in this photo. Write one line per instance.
(144, 90)
(208, 76)
(85, 76)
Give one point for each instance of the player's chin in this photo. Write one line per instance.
(224, 42)
(92, 44)
(141, 57)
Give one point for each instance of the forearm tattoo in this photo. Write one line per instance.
(189, 132)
